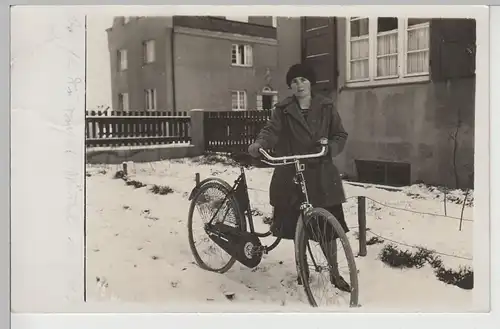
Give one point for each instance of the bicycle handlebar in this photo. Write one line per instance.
(292, 158)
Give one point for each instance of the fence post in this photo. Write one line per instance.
(362, 225)
(197, 130)
(125, 168)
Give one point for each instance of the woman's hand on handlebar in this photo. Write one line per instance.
(323, 142)
(254, 150)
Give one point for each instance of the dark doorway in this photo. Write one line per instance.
(267, 102)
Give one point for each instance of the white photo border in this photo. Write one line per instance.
(56, 283)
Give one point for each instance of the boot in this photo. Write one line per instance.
(299, 280)
(335, 278)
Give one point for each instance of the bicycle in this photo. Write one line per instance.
(244, 245)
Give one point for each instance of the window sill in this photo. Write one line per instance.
(381, 82)
(241, 65)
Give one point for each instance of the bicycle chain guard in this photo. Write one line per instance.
(242, 245)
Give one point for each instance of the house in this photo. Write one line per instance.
(404, 87)
(181, 63)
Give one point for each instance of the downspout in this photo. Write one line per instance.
(172, 66)
(337, 86)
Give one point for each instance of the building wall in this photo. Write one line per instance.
(204, 76)
(197, 57)
(403, 123)
(261, 20)
(141, 76)
(409, 123)
(289, 50)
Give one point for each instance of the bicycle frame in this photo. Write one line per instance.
(240, 190)
(299, 170)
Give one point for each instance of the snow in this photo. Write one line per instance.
(138, 251)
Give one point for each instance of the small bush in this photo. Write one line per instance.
(373, 240)
(162, 190)
(135, 183)
(211, 159)
(393, 257)
(120, 174)
(463, 278)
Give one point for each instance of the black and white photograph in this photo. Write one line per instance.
(281, 163)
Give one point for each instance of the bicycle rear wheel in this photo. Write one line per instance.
(212, 199)
(320, 228)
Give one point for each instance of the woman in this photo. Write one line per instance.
(296, 125)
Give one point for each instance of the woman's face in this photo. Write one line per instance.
(301, 87)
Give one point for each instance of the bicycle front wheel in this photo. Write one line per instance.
(326, 268)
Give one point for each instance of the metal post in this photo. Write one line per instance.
(125, 168)
(197, 178)
(362, 225)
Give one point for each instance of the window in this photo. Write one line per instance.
(123, 102)
(241, 55)
(148, 49)
(238, 100)
(387, 50)
(122, 60)
(150, 99)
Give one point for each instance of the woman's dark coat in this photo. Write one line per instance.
(287, 132)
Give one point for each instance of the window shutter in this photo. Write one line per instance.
(319, 46)
(275, 100)
(453, 48)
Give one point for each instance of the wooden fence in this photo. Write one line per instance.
(232, 131)
(130, 128)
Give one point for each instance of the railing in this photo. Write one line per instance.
(133, 128)
(232, 130)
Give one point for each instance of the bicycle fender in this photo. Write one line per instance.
(203, 182)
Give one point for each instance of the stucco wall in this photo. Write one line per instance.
(140, 76)
(289, 50)
(409, 123)
(403, 123)
(204, 76)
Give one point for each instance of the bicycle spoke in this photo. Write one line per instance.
(327, 281)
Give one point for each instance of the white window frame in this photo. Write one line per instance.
(275, 21)
(266, 91)
(149, 51)
(123, 102)
(122, 55)
(402, 76)
(150, 99)
(241, 95)
(247, 55)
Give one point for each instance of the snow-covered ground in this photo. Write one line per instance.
(138, 251)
